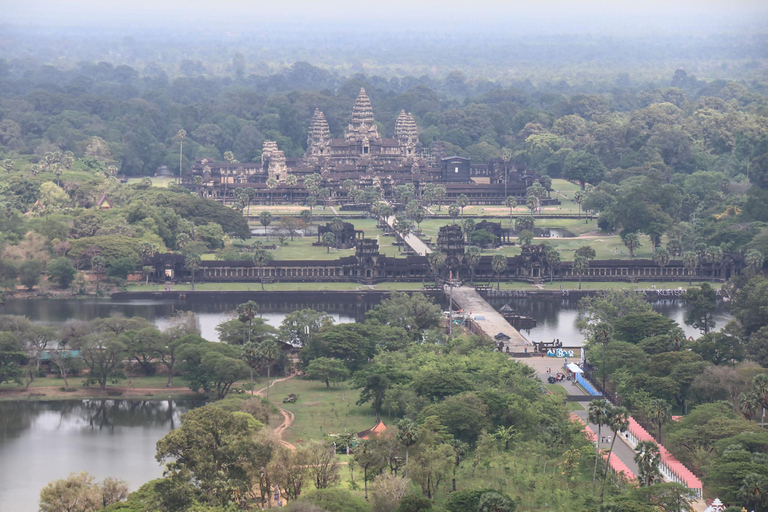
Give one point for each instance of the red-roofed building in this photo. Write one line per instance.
(375, 430)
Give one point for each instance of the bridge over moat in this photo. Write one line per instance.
(485, 318)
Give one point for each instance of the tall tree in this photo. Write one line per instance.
(192, 263)
(408, 435)
(617, 422)
(262, 257)
(690, 263)
(659, 412)
(631, 242)
(472, 259)
(499, 265)
(599, 413)
(647, 457)
(553, 260)
(266, 218)
(661, 258)
(581, 267)
(181, 135)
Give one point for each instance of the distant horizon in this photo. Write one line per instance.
(551, 17)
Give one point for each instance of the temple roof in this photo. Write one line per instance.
(362, 112)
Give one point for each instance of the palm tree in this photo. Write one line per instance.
(553, 260)
(468, 225)
(632, 242)
(581, 266)
(265, 218)
(617, 421)
(760, 387)
(499, 265)
(260, 258)
(98, 264)
(462, 202)
(436, 261)
(511, 202)
(408, 435)
(506, 156)
(661, 258)
(271, 185)
(192, 262)
(578, 198)
(598, 414)
(749, 404)
(472, 258)
(690, 262)
(754, 260)
(647, 457)
(181, 135)
(311, 202)
(8, 165)
(148, 250)
(714, 256)
(291, 180)
(754, 491)
(402, 226)
(658, 411)
(337, 227)
(267, 353)
(453, 212)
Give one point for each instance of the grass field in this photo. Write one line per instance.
(319, 412)
(156, 182)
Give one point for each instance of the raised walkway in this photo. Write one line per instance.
(486, 318)
(412, 240)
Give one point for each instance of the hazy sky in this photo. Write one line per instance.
(568, 16)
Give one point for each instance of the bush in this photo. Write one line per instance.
(467, 500)
(62, 271)
(493, 501)
(386, 492)
(336, 500)
(415, 503)
(121, 267)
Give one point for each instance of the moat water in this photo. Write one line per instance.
(44, 441)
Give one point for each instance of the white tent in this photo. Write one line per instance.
(574, 368)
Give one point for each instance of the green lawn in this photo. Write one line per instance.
(156, 182)
(255, 286)
(248, 287)
(319, 412)
(155, 381)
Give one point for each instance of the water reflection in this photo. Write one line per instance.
(44, 441)
(556, 317)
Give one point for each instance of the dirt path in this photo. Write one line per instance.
(288, 416)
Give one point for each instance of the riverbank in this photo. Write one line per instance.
(137, 388)
(511, 289)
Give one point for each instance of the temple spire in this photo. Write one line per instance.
(363, 125)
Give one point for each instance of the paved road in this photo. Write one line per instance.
(621, 448)
(492, 322)
(412, 240)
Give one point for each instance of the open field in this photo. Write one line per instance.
(51, 388)
(156, 182)
(319, 412)
(658, 285)
(249, 287)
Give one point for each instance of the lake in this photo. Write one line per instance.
(44, 441)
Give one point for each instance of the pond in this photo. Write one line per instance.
(45, 441)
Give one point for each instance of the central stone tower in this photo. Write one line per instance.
(363, 127)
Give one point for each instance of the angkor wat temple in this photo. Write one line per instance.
(364, 156)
